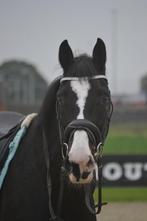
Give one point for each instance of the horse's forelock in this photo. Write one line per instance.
(82, 67)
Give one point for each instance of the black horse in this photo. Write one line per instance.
(64, 138)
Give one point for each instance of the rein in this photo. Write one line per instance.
(53, 215)
(94, 131)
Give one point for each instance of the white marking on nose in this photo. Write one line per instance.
(80, 151)
(81, 89)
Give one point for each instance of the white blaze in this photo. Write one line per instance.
(81, 89)
(80, 151)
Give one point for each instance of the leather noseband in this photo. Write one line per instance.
(83, 124)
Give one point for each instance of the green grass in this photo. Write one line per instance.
(127, 139)
(123, 194)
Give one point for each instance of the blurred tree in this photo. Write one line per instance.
(144, 85)
(22, 86)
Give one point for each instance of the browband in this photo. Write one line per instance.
(84, 78)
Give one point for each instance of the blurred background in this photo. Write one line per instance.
(30, 35)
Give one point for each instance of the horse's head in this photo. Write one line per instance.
(83, 107)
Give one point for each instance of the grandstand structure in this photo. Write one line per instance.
(22, 88)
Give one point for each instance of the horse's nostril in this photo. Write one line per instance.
(85, 175)
(90, 162)
(75, 170)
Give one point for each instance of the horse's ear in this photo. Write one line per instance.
(99, 55)
(65, 55)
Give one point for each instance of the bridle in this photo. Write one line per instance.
(96, 136)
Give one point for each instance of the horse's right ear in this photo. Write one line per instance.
(65, 55)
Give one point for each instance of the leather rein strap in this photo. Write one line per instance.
(53, 216)
(48, 177)
(88, 192)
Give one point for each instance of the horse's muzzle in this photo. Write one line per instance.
(78, 177)
(81, 138)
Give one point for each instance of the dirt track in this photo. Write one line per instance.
(124, 212)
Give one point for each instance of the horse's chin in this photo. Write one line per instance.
(75, 181)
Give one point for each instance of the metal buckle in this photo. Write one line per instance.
(99, 150)
(64, 150)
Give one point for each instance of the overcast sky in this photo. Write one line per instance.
(32, 30)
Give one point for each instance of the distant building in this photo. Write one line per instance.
(130, 100)
(22, 88)
(1, 97)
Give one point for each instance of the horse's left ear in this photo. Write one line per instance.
(65, 55)
(99, 55)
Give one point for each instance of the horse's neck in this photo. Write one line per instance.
(48, 122)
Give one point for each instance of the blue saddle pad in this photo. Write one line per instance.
(9, 125)
(9, 120)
